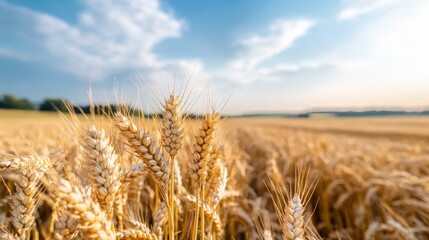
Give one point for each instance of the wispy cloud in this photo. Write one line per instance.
(284, 68)
(8, 53)
(109, 36)
(359, 7)
(279, 37)
(254, 50)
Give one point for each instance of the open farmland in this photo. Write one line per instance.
(330, 178)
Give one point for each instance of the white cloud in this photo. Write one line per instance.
(280, 36)
(8, 53)
(360, 7)
(256, 49)
(283, 68)
(113, 37)
(109, 36)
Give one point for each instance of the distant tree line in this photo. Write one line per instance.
(9, 101)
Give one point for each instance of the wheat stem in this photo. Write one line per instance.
(196, 218)
(202, 191)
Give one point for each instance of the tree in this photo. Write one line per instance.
(11, 102)
(51, 104)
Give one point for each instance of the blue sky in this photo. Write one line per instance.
(270, 56)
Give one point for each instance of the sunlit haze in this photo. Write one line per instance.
(265, 56)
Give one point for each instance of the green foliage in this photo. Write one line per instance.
(51, 104)
(57, 104)
(108, 110)
(11, 102)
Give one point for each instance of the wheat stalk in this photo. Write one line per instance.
(267, 235)
(172, 139)
(290, 212)
(212, 216)
(202, 149)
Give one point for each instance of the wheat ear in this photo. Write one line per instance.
(136, 230)
(16, 163)
(10, 164)
(94, 222)
(178, 177)
(145, 148)
(137, 170)
(136, 234)
(216, 156)
(23, 202)
(102, 167)
(65, 227)
(160, 219)
(294, 219)
(203, 147)
(172, 126)
(216, 184)
(8, 236)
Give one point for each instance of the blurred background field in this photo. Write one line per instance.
(397, 127)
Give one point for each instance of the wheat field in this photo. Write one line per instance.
(124, 177)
